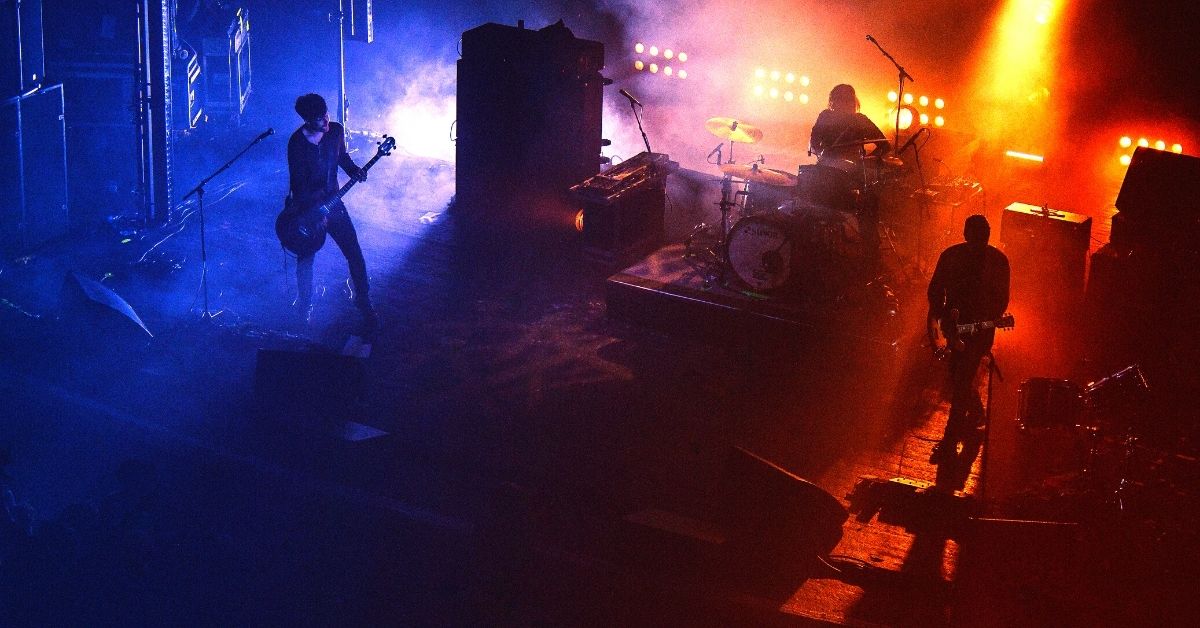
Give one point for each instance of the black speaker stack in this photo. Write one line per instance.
(1143, 293)
(114, 60)
(528, 127)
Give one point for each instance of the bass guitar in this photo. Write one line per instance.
(955, 333)
(301, 227)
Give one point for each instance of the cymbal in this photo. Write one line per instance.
(733, 130)
(892, 161)
(752, 172)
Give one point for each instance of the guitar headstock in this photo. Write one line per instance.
(1006, 322)
(386, 146)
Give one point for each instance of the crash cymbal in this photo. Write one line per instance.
(756, 174)
(733, 130)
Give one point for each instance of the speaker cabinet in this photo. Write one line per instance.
(1162, 187)
(33, 170)
(627, 229)
(1047, 250)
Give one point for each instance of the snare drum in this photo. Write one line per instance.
(1045, 402)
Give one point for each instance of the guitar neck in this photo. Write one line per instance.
(349, 184)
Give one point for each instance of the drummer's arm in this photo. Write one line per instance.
(872, 130)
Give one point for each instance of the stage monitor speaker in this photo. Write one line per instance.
(33, 170)
(772, 509)
(1161, 187)
(99, 312)
(312, 384)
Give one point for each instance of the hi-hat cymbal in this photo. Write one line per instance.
(733, 130)
(752, 172)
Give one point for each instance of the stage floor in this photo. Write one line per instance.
(672, 292)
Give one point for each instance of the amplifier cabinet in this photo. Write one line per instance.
(1047, 250)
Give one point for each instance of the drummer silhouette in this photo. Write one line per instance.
(839, 139)
(840, 130)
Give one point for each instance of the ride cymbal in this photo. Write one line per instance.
(733, 130)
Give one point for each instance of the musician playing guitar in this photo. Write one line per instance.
(970, 285)
(315, 151)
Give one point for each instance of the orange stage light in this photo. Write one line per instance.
(1126, 142)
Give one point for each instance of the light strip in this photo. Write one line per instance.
(1025, 156)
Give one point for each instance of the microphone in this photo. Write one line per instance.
(912, 139)
(871, 39)
(264, 134)
(630, 97)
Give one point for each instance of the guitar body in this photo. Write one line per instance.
(301, 226)
(301, 229)
(956, 334)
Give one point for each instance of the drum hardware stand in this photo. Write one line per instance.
(1118, 496)
(726, 205)
(205, 315)
(900, 91)
(718, 252)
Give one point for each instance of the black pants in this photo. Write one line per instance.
(966, 407)
(342, 231)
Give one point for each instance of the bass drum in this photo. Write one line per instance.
(1045, 402)
(762, 251)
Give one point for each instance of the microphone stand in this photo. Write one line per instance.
(993, 368)
(199, 192)
(644, 138)
(900, 91)
(925, 200)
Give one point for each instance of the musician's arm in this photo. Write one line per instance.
(936, 294)
(348, 166)
(870, 129)
(295, 158)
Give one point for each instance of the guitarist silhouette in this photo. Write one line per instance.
(969, 285)
(315, 151)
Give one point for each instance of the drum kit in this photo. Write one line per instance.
(1112, 405)
(783, 233)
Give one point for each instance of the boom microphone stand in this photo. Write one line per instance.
(634, 104)
(900, 91)
(199, 192)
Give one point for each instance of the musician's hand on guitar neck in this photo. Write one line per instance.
(359, 175)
